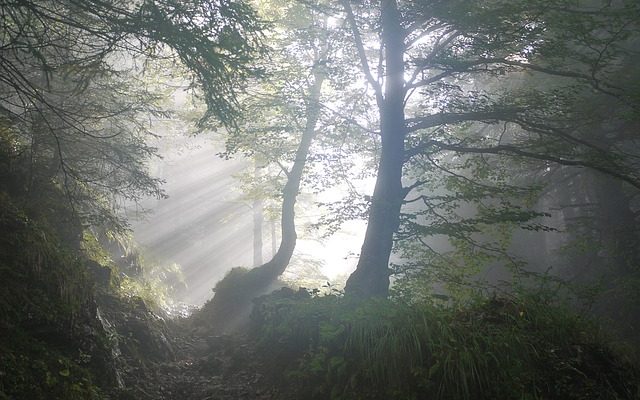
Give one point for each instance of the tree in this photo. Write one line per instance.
(442, 50)
(280, 124)
(70, 77)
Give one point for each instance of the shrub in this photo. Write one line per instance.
(492, 348)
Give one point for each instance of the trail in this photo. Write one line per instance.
(205, 368)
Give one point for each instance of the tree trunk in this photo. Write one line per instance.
(229, 310)
(371, 277)
(258, 218)
(274, 239)
(618, 234)
(280, 261)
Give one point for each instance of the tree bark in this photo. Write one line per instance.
(371, 277)
(258, 219)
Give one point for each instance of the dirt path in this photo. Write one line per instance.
(206, 368)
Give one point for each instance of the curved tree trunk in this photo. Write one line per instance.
(229, 309)
(277, 265)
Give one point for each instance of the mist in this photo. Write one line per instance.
(203, 224)
(319, 200)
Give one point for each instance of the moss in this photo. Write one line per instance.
(51, 343)
(43, 279)
(231, 305)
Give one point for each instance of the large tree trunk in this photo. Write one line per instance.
(229, 309)
(258, 219)
(371, 277)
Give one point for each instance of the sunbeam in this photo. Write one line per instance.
(204, 225)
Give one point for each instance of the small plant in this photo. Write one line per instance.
(491, 348)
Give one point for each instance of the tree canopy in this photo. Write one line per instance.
(81, 85)
(445, 73)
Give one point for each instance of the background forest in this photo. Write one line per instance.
(488, 149)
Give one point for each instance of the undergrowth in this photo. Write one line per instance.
(45, 295)
(54, 276)
(522, 347)
(35, 370)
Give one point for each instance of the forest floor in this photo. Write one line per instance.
(205, 368)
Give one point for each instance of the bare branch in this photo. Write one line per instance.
(361, 52)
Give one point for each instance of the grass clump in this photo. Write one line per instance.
(522, 347)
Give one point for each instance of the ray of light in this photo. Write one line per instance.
(202, 226)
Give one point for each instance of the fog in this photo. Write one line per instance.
(205, 225)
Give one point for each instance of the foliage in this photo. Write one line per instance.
(308, 54)
(82, 86)
(487, 83)
(283, 114)
(522, 347)
(53, 272)
(129, 274)
(215, 41)
(34, 370)
(33, 256)
(46, 295)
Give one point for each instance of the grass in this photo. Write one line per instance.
(522, 347)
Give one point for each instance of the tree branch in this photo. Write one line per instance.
(361, 52)
(511, 150)
(433, 120)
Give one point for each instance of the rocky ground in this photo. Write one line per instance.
(201, 367)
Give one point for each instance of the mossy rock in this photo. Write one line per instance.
(230, 308)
